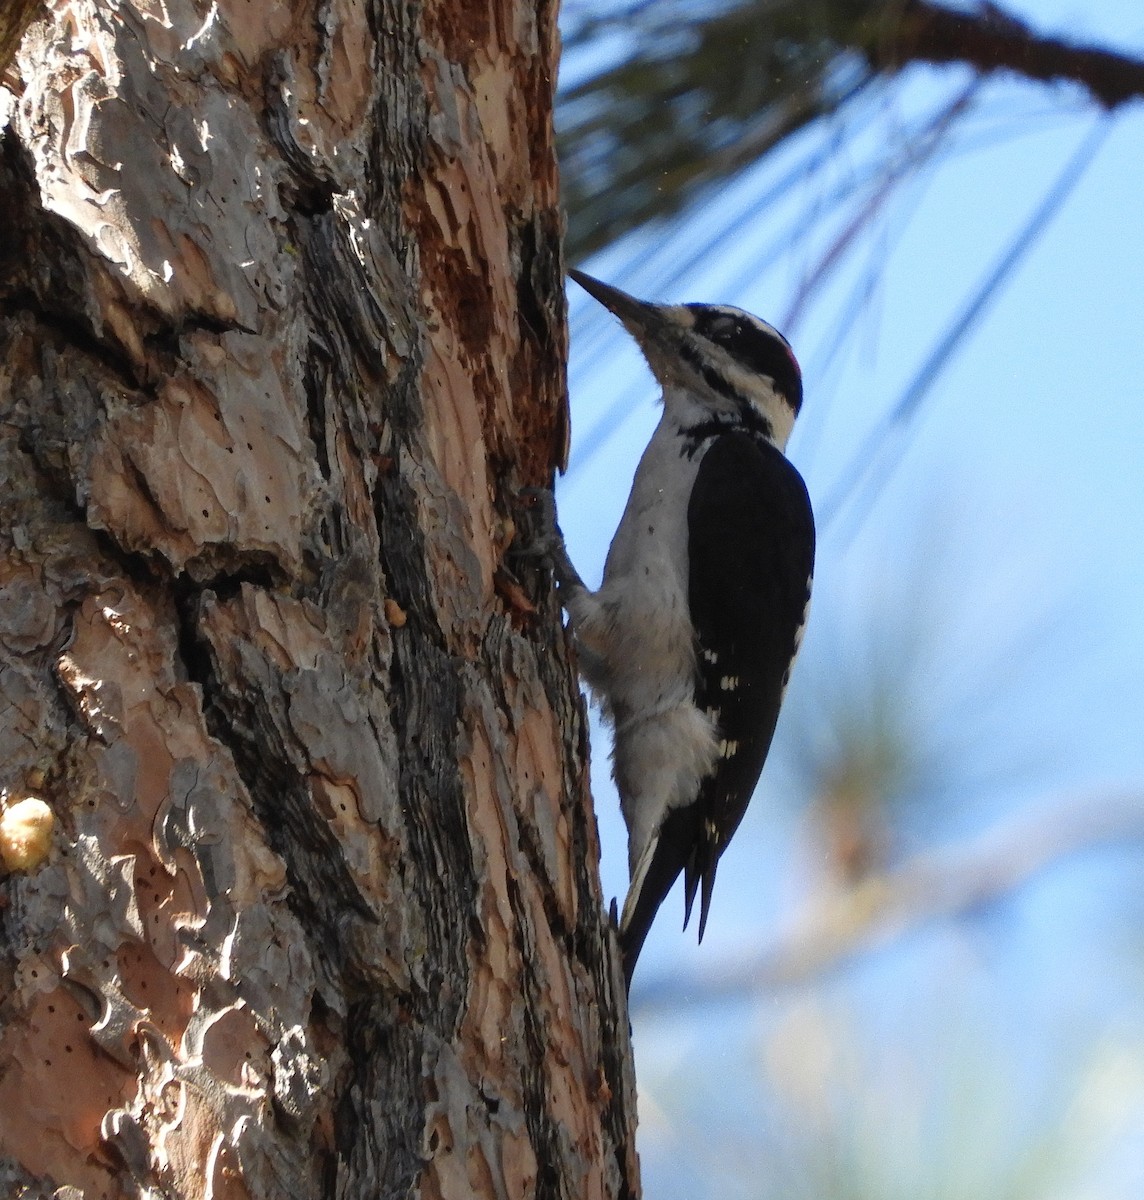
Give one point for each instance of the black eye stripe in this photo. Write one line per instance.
(757, 349)
(714, 380)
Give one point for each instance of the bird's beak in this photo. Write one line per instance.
(640, 317)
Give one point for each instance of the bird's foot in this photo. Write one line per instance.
(544, 539)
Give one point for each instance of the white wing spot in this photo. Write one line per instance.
(729, 683)
(728, 749)
(802, 623)
(709, 656)
(798, 635)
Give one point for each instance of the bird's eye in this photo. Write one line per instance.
(722, 329)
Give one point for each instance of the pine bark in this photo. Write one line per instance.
(282, 336)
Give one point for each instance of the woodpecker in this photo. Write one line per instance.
(689, 641)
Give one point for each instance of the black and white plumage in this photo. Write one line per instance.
(689, 640)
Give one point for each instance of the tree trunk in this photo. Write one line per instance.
(283, 335)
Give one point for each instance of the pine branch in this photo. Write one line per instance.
(935, 886)
(699, 97)
(994, 40)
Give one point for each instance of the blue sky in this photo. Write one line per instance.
(988, 569)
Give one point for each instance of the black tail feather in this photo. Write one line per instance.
(708, 887)
(674, 853)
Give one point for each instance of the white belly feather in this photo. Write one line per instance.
(638, 648)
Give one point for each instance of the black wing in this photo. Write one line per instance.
(752, 556)
(751, 539)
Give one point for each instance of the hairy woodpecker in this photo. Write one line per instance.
(689, 641)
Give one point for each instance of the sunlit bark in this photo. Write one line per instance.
(283, 336)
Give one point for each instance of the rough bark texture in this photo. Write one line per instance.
(15, 16)
(281, 336)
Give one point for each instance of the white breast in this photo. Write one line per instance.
(637, 646)
(644, 592)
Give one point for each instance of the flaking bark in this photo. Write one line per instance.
(282, 337)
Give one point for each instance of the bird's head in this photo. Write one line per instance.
(716, 359)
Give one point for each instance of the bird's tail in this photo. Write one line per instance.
(671, 852)
(699, 876)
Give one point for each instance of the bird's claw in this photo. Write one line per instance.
(546, 540)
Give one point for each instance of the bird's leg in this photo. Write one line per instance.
(579, 601)
(548, 542)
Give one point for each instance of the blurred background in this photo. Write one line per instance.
(923, 975)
